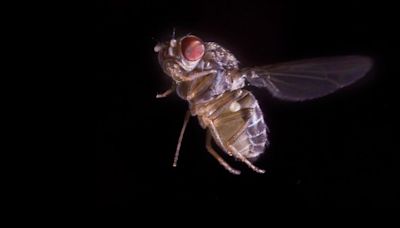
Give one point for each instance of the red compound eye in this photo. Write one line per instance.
(192, 48)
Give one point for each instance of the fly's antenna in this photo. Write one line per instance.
(173, 33)
(178, 147)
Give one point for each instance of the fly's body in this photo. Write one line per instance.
(208, 77)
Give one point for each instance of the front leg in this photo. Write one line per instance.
(178, 147)
(217, 156)
(168, 92)
(195, 75)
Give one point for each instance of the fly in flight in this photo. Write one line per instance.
(209, 78)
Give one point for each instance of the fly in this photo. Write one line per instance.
(209, 78)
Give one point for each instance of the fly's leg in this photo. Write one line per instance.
(178, 147)
(214, 132)
(216, 105)
(198, 88)
(232, 140)
(168, 92)
(221, 108)
(210, 123)
(248, 113)
(228, 145)
(216, 156)
(245, 114)
(245, 160)
(196, 75)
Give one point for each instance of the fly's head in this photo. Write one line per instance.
(179, 56)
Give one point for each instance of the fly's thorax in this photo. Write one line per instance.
(210, 87)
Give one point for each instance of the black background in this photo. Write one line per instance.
(337, 151)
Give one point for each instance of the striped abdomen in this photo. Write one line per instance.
(236, 123)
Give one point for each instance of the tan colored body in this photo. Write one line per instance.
(233, 119)
(209, 78)
(213, 86)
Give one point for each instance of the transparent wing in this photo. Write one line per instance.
(309, 78)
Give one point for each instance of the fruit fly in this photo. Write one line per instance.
(209, 78)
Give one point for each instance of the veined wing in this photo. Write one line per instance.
(309, 78)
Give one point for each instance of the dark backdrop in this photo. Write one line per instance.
(336, 151)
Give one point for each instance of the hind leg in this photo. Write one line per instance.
(245, 160)
(227, 144)
(237, 154)
(216, 156)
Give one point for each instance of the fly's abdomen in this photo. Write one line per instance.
(240, 126)
(256, 133)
